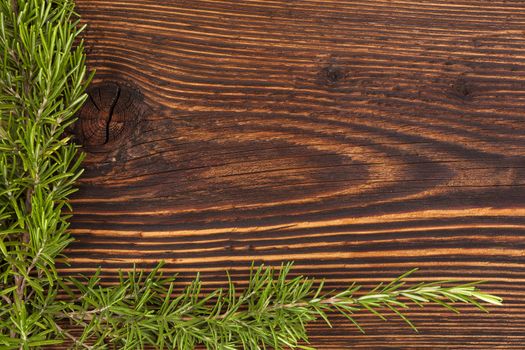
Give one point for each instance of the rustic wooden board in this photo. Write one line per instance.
(358, 138)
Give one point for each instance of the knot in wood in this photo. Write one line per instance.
(462, 88)
(331, 75)
(109, 115)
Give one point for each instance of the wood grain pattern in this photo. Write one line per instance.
(358, 138)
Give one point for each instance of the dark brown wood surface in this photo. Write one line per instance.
(357, 138)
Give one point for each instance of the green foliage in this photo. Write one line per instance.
(42, 82)
(271, 312)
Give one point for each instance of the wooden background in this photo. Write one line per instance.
(358, 138)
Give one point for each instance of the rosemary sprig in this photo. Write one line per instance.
(42, 82)
(271, 312)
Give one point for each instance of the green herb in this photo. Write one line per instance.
(42, 82)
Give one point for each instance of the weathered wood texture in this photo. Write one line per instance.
(358, 138)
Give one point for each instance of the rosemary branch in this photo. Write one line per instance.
(271, 311)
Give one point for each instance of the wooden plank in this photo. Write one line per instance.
(357, 138)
